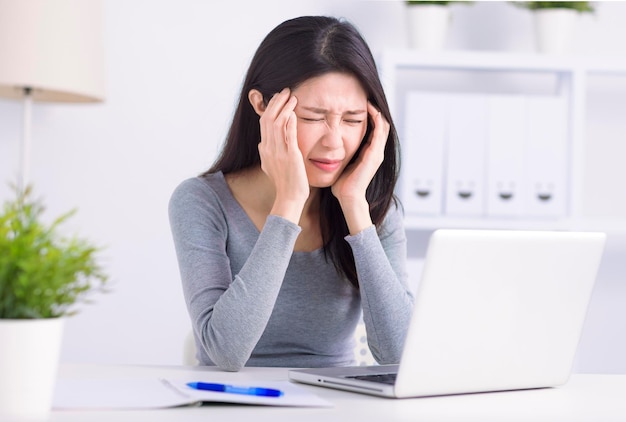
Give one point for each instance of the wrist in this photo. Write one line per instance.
(357, 215)
(288, 209)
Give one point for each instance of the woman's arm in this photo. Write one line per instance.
(350, 189)
(385, 295)
(229, 312)
(380, 257)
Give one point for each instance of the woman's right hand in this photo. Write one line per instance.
(281, 159)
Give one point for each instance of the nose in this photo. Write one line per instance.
(332, 138)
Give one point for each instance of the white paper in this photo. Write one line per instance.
(126, 394)
(116, 394)
(293, 395)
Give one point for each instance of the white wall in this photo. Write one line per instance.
(173, 72)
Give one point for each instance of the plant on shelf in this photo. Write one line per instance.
(439, 3)
(579, 6)
(428, 23)
(42, 274)
(555, 22)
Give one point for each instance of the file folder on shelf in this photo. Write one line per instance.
(423, 153)
(545, 158)
(485, 155)
(467, 132)
(506, 133)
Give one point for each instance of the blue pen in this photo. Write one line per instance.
(224, 388)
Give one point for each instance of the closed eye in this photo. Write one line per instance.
(309, 119)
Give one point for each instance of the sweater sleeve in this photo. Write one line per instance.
(387, 302)
(229, 311)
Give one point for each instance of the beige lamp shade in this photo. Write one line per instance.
(54, 47)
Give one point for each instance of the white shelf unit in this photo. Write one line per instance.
(571, 79)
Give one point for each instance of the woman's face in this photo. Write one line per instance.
(332, 121)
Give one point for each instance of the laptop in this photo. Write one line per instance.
(495, 310)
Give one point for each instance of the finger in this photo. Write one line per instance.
(291, 132)
(380, 130)
(281, 121)
(276, 103)
(377, 117)
(290, 106)
(372, 110)
(274, 119)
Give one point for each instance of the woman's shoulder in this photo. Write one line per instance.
(209, 187)
(203, 184)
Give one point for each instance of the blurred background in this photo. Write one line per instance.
(173, 71)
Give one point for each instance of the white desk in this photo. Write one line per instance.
(600, 398)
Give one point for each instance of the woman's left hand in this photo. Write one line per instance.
(350, 188)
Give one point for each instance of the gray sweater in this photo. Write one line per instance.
(254, 301)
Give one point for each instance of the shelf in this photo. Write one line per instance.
(498, 61)
(609, 225)
(443, 222)
(572, 76)
(613, 225)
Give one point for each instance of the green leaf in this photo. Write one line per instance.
(579, 6)
(42, 273)
(436, 3)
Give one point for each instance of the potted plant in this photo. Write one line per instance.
(43, 275)
(555, 22)
(428, 23)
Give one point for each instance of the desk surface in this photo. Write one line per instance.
(584, 398)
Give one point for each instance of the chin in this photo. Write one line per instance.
(322, 182)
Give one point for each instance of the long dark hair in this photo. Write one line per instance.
(295, 51)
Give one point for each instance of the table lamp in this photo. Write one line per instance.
(50, 51)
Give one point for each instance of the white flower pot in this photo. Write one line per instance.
(428, 26)
(29, 359)
(554, 30)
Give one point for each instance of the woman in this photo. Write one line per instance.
(295, 231)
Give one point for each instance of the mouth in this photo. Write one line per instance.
(326, 165)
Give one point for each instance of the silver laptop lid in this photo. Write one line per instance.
(498, 310)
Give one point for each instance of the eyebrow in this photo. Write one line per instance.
(318, 110)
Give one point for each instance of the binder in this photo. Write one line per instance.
(506, 133)
(423, 153)
(466, 141)
(545, 157)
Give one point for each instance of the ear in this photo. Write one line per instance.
(256, 99)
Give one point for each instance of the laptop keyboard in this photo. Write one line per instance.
(381, 378)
